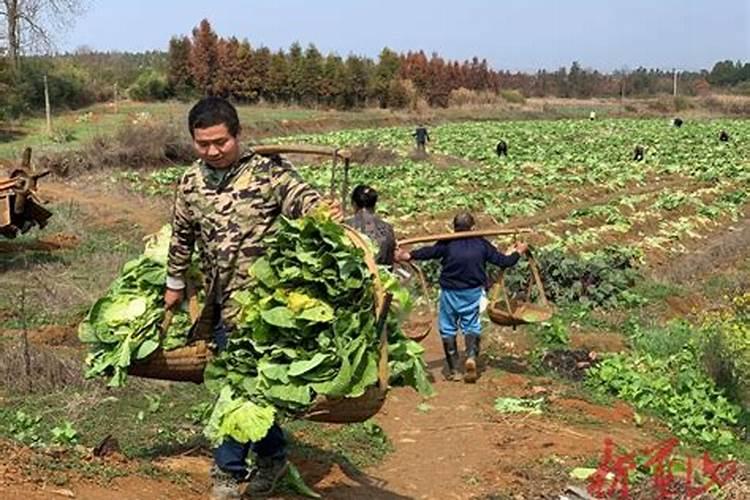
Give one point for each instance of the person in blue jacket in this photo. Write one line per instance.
(463, 277)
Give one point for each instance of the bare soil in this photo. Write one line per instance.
(59, 241)
(113, 207)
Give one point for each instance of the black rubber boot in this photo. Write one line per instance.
(451, 359)
(472, 353)
(264, 478)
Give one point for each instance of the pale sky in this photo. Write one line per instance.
(512, 34)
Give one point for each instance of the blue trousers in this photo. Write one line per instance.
(459, 309)
(231, 455)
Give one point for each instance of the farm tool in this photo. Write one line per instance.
(20, 207)
(508, 312)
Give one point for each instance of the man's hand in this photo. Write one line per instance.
(522, 247)
(334, 208)
(173, 298)
(401, 255)
(337, 213)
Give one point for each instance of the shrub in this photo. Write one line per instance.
(726, 348)
(149, 143)
(513, 96)
(742, 88)
(398, 95)
(68, 87)
(63, 135)
(660, 104)
(467, 97)
(150, 86)
(681, 103)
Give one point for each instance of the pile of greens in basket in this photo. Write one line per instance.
(306, 329)
(124, 325)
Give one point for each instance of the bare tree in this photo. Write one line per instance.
(31, 24)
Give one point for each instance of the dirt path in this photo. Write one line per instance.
(459, 446)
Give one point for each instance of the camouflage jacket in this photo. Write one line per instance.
(378, 231)
(227, 217)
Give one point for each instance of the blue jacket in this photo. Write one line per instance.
(463, 261)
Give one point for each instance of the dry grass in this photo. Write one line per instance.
(135, 145)
(57, 287)
(29, 368)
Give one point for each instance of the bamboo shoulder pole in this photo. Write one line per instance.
(275, 149)
(460, 235)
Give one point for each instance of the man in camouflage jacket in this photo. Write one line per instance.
(225, 205)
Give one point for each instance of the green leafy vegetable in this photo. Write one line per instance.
(124, 325)
(306, 329)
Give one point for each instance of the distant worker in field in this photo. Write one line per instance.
(365, 220)
(639, 153)
(677, 122)
(463, 277)
(592, 116)
(422, 137)
(724, 136)
(502, 148)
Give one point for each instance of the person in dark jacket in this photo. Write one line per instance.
(422, 138)
(367, 221)
(462, 280)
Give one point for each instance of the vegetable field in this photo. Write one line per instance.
(646, 262)
(575, 180)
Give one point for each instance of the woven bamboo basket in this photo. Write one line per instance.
(508, 312)
(422, 326)
(186, 364)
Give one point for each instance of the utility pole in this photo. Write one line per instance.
(47, 106)
(674, 83)
(115, 98)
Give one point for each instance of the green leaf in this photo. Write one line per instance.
(262, 270)
(279, 316)
(297, 394)
(319, 314)
(124, 310)
(297, 484)
(303, 366)
(146, 348)
(582, 473)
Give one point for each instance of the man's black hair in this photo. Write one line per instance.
(364, 196)
(463, 221)
(211, 111)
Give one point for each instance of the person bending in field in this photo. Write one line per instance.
(462, 280)
(367, 221)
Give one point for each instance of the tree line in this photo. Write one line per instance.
(207, 64)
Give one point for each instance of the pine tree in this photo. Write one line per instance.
(387, 70)
(278, 87)
(178, 69)
(204, 58)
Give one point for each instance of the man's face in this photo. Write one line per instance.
(216, 146)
